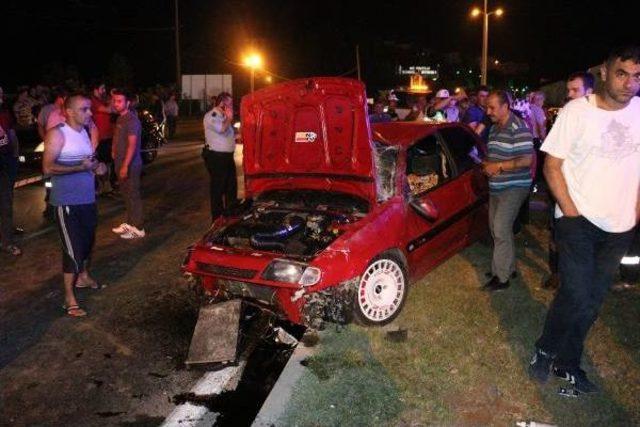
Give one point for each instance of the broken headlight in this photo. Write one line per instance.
(291, 272)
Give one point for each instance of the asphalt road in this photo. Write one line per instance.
(123, 364)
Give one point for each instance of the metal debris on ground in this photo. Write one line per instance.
(399, 335)
(215, 338)
(568, 392)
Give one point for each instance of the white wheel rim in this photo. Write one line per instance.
(381, 290)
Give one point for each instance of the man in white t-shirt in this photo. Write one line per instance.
(593, 170)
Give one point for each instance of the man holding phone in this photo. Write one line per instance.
(218, 154)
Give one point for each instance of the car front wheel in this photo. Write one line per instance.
(381, 292)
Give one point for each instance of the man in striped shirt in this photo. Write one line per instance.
(510, 152)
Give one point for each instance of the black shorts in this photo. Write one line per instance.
(103, 152)
(77, 227)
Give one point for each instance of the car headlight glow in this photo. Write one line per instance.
(292, 272)
(630, 260)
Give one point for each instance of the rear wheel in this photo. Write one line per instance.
(381, 292)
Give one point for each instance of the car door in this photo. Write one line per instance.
(465, 148)
(433, 224)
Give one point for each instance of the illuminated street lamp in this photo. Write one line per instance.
(253, 61)
(485, 35)
(268, 79)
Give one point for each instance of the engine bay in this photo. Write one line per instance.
(298, 226)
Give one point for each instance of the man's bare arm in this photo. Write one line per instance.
(558, 185)
(53, 143)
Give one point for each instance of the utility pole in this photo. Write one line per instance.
(358, 60)
(177, 37)
(485, 45)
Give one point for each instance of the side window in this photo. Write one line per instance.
(462, 146)
(427, 165)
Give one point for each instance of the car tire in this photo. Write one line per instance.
(381, 292)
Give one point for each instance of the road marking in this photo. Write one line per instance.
(212, 383)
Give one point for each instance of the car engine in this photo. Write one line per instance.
(288, 232)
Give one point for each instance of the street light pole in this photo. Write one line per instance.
(485, 35)
(177, 37)
(485, 44)
(253, 73)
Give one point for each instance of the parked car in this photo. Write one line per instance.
(340, 216)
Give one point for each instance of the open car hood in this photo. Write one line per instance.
(310, 133)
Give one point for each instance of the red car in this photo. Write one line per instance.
(340, 216)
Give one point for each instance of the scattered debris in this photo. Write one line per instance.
(310, 338)
(157, 375)
(568, 392)
(399, 335)
(109, 414)
(283, 337)
(533, 424)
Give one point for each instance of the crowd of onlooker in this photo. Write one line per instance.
(26, 102)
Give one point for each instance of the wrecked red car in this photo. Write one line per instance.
(339, 216)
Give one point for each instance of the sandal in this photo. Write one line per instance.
(91, 285)
(12, 250)
(74, 310)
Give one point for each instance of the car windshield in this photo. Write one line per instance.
(385, 158)
(314, 200)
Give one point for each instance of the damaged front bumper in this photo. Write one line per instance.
(332, 304)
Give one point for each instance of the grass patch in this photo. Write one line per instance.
(465, 359)
(343, 386)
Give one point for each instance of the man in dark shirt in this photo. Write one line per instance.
(476, 116)
(8, 172)
(128, 164)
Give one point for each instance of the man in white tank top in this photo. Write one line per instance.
(68, 158)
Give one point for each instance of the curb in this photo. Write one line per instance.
(276, 402)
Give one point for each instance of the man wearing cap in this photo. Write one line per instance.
(444, 107)
(392, 100)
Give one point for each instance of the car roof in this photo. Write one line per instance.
(407, 133)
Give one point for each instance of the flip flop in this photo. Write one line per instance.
(95, 285)
(12, 250)
(74, 311)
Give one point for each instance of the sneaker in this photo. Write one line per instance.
(578, 378)
(121, 229)
(495, 285)
(133, 233)
(540, 366)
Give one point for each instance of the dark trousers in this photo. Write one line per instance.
(171, 126)
(588, 259)
(130, 190)
(77, 227)
(223, 187)
(8, 172)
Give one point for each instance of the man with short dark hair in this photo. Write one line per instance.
(593, 170)
(102, 111)
(579, 84)
(509, 156)
(125, 151)
(476, 117)
(68, 158)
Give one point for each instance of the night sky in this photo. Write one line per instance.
(301, 38)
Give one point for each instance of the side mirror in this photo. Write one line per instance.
(425, 208)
